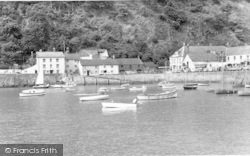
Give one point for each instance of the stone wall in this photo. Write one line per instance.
(23, 80)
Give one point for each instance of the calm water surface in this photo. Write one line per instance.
(196, 122)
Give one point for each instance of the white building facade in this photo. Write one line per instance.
(50, 62)
(238, 56)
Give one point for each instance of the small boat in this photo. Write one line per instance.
(112, 104)
(94, 97)
(118, 88)
(190, 86)
(143, 88)
(56, 86)
(158, 96)
(32, 92)
(247, 86)
(203, 84)
(225, 91)
(103, 90)
(160, 84)
(125, 85)
(169, 86)
(244, 93)
(40, 81)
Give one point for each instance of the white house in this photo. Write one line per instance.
(177, 59)
(50, 62)
(236, 56)
(99, 67)
(72, 63)
(201, 60)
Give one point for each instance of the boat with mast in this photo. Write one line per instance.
(246, 91)
(222, 90)
(189, 86)
(40, 81)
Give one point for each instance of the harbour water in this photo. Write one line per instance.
(196, 122)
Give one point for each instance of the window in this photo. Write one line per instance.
(234, 58)
(247, 56)
(44, 71)
(51, 66)
(43, 60)
(67, 66)
(44, 66)
(57, 71)
(57, 66)
(111, 66)
(57, 60)
(95, 67)
(138, 66)
(121, 66)
(111, 71)
(104, 66)
(50, 60)
(228, 58)
(76, 66)
(240, 57)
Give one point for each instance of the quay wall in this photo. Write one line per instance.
(27, 80)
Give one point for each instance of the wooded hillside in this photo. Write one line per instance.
(150, 29)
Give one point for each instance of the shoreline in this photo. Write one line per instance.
(28, 80)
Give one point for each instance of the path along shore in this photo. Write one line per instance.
(27, 80)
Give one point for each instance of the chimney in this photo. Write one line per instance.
(67, 50)
(54, 49)
(40, 50)
(113, 56)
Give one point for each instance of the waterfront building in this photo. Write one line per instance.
(72, 63)
(201, 60)
(99, 67)
(130, 64)
(51, 62)
(238, 56)
(110, 66)
(150, 66)
(176, 60)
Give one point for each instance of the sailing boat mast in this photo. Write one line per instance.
(222, 68)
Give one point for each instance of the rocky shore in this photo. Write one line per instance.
(27, 80)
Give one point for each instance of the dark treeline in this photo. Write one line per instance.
(149, 29)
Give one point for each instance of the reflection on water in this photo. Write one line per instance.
(196, 122)
(112, 111)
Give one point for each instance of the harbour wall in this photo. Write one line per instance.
(27, 80)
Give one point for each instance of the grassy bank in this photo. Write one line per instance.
(27, 80)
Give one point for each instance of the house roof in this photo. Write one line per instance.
(49, 54)
(183, 51)
(95, 62)
(129, 61)
(240, 50)
(203, 57)
(203, 49)
(72, 56)
(150, 64)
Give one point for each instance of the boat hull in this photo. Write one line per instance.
(166, 95)
(118, 105)
(31, 92)
(244, 93)
(224, 91)
(94, 97)
(190, 87)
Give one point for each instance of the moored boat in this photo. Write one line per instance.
(103, 90)
(94, 97)
(247, 86)
(40, 81)
(160, 84)
(143, 88)
(158, 96)
(112, 104)
(32, 92)
(244, 93)
(225, 91)
(190, 86)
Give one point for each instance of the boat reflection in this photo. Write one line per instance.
(111, 111)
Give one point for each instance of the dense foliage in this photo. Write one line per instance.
(149, 29)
